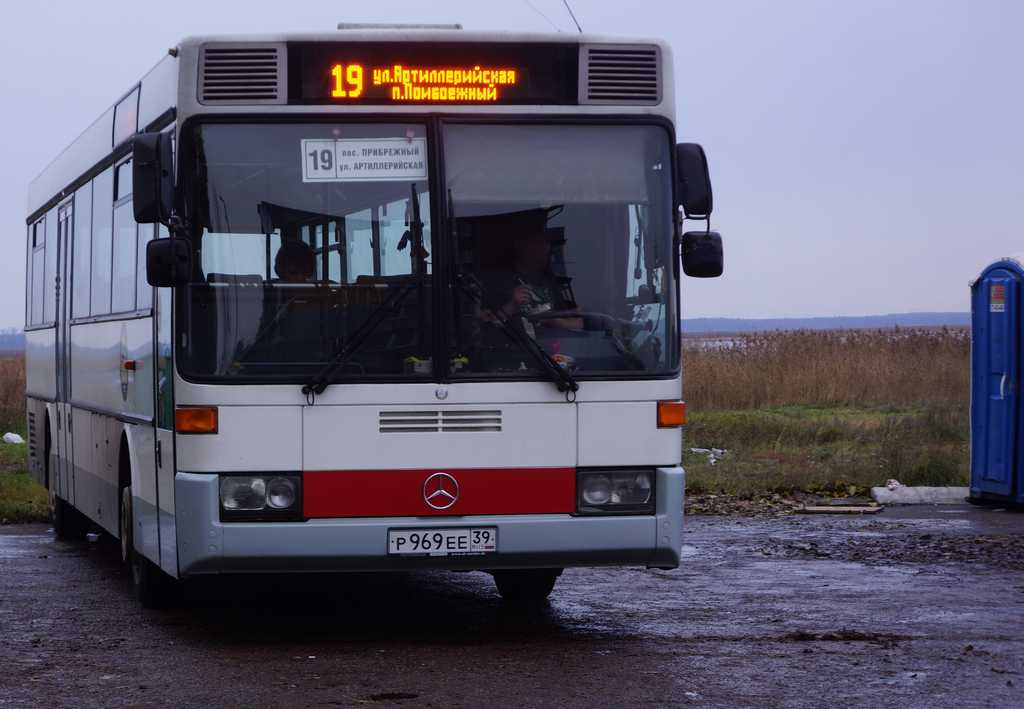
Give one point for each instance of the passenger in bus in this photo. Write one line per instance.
(292, 316)
(295, 262)
(530, 288)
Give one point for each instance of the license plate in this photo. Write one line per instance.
(443, 542)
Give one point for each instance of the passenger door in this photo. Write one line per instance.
(995, 391)
(62, 439)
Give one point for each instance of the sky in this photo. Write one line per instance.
(867, 157)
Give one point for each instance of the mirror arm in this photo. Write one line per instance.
(176, 227)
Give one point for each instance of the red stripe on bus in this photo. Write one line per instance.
(400, 493)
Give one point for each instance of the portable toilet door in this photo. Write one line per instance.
(995, 377)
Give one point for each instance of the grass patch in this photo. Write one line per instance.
(22, 499)
(841, 450)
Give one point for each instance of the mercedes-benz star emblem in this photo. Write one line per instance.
(440, 491)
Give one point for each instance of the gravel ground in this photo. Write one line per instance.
(912, 607)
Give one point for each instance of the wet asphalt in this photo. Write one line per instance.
(918, 606)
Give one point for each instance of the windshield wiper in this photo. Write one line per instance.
(390, 306)
(558, 374)
(317, 385)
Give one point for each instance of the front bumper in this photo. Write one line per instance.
(208, 546)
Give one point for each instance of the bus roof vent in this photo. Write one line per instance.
(242, 73)
(620, 74)
(394, 26)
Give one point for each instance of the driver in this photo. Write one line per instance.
(292, 318)
(530, 288)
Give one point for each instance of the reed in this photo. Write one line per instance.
(900, 366)
(12, 393)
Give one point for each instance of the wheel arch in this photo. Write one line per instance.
(136, 441)
(49, 426)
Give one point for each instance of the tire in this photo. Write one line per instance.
(153, 587)
(526, 586)
(68, 523)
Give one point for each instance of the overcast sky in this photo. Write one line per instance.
(867, 156)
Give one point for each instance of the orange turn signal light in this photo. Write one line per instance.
(671, 414)
(195, 419)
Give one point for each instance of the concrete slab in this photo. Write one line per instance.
(840, 510)
(913, 495)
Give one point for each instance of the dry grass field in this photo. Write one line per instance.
(834, 411)
(829, 368)
(12, 393)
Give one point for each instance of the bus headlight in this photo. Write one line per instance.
(617, 491)
(280, 493)
(596, 489)
(260, 497)
(243, 494)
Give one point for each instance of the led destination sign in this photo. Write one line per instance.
(428, 73)
(454, 84)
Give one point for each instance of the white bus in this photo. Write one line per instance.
(375, 299)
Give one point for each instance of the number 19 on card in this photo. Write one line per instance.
(347, 81)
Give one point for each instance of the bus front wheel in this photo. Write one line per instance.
(153, 587)
(526, 586)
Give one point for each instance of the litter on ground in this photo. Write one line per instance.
(714, 454)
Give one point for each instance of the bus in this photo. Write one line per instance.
(384, 298)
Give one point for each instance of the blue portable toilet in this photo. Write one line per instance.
(997, 361)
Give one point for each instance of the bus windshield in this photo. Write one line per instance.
(564, 231)
(314, 244)
(306, 243)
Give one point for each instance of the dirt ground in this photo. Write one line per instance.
(913, 607)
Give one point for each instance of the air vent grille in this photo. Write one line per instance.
(620, 74)
(31, 435)
(242, 73)
(443, 421)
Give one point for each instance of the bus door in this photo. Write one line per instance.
(163, 339)
(65, 484)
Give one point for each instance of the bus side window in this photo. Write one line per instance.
(394, 262)
(28, 276)
(144, 295)
(359, 246)
(102, 221)
(82, 246)
(37, 258)
(125, 242)
(50, 270)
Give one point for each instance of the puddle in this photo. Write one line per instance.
(20, 546)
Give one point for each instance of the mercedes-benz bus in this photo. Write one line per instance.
(373, 299)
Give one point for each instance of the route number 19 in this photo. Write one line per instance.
(348, 81)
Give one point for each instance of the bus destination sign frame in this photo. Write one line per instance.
(429, 73)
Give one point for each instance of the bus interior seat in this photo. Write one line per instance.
(235, 279)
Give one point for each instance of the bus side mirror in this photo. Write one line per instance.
(168, 262)
(702, 254)
(693, 181)
(152, 178)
